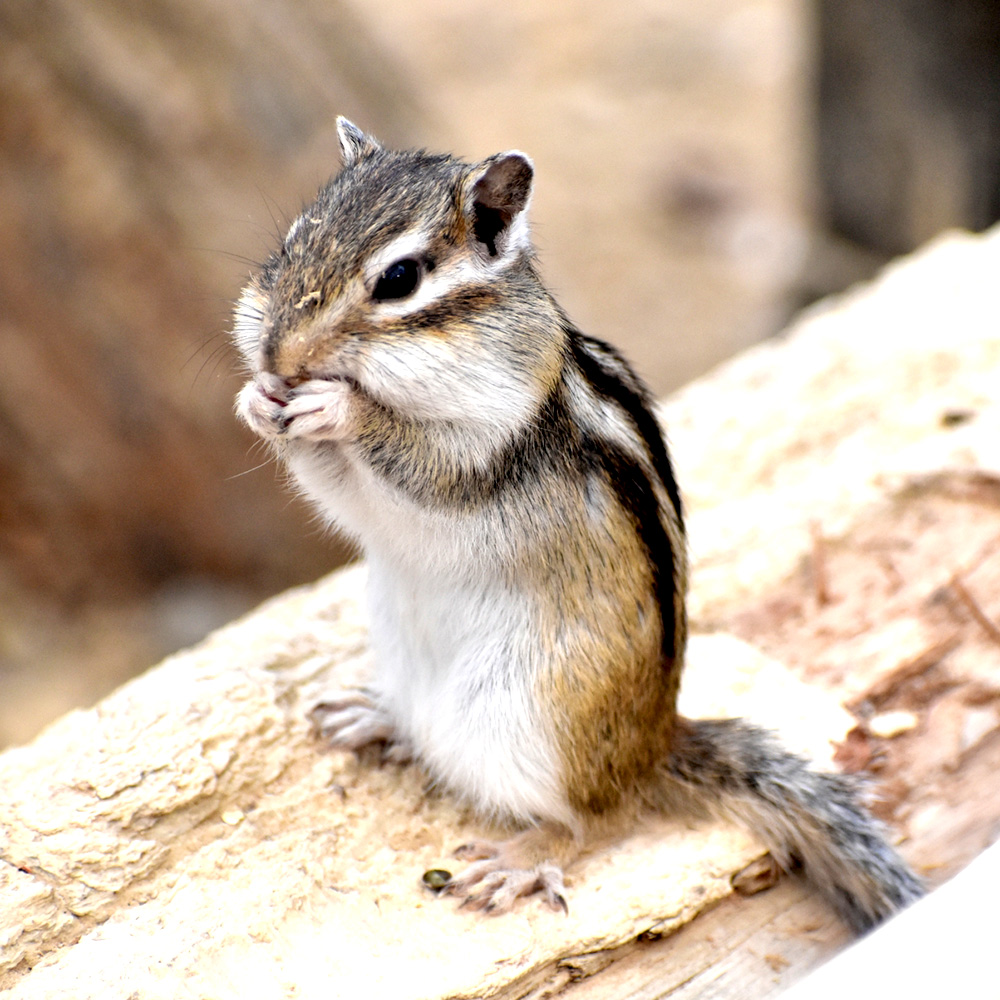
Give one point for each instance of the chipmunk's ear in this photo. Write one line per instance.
(498, 192)
(354, 144)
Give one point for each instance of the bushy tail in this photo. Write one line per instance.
(804, 816)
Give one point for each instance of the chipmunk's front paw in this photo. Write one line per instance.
(319, 410)
(261, 404)
(351, 720)
(316, 410)
(491, 886)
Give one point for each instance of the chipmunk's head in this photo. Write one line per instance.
(397, 276)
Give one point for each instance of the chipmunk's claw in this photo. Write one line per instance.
(489, 886)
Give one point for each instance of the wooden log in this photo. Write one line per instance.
(190, 834)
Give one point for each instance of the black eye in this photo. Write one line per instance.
(398, 280)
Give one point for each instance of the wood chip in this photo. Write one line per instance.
(889, 724)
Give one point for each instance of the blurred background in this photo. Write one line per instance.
(705, 168)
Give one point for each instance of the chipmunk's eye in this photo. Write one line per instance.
(398, 280)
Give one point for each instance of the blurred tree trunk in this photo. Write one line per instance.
(909, 119)
(136, 144)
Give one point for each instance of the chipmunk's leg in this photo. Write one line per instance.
(503, 871)
(353, 720)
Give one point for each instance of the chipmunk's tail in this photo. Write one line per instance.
(805, 817)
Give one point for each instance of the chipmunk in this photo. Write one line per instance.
(514, 499)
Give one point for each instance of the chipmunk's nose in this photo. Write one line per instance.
(288, 354)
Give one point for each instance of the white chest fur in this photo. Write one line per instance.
(455, 667)
(456, 651)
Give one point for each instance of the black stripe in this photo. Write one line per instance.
(629, 479)
(634, 401)
(629, 482)
(538, 453)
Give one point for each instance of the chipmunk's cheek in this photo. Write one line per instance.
(260, 409)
